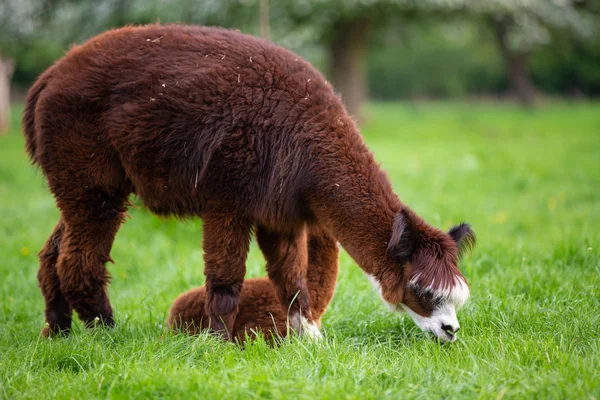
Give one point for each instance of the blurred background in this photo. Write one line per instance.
(483, 111)
(521, 50)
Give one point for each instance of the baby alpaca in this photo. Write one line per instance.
(260, 309)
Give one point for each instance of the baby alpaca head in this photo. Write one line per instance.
(423, 278)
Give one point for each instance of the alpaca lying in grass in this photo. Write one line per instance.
(260, 308)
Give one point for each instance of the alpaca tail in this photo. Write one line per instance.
(28, 120)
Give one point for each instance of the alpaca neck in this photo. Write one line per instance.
(354, 198)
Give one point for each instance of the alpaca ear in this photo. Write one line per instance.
(464, 237)
(402, 243)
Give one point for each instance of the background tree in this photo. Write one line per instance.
(520, 27)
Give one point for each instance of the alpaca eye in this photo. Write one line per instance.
(428, 301)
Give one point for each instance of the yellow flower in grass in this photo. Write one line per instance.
(552, 203)
(25, 251)
(500, 217)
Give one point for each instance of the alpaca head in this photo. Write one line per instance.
(423, 278)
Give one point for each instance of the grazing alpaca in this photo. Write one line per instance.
(260, 309)
(210, 122)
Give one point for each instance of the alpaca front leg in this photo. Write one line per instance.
(226, 245)
(287, 260)
(322, 269)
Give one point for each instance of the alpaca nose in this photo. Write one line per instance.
(450, 330)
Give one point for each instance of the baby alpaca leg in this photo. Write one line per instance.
(226, 245)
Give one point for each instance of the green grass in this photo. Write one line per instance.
(528, 182)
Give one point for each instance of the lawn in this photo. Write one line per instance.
(527, 180)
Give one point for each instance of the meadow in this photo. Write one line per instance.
(527, 180)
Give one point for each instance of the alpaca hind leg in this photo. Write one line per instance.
(226, 244)
(287, 260)
(91, 223)
(58, 312)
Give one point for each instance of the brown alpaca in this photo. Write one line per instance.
(210, 122)
(260, 309)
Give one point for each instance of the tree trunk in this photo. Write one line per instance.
(265, 27)
(348, 66)
(6, 70)
(521, 86)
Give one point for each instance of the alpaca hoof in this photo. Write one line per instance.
(305, 327)
(106, 321)
(221, 335)
(218, 329)
(49, 332)
(312, 332)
